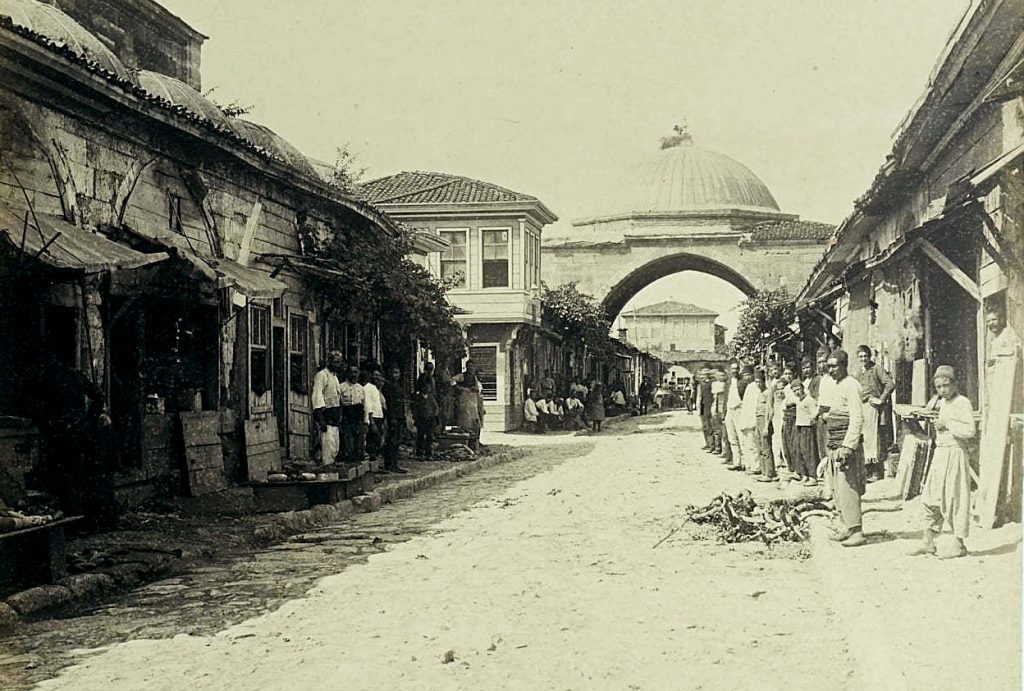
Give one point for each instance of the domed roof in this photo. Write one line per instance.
(684, 178)
(57, 26)
(181, 94)
(264, 137)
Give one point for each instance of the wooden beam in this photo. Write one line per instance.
(1001, 251)
(251, 224)
(951, 269)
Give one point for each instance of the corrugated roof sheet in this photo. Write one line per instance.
(420, 187)
(672, 307)
(791, 229)
(67, 246)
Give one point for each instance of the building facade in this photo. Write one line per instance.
(148, 247)
(936, 243)
(684, 208)
(492, 263)
(671, 326)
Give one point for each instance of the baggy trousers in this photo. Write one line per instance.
(732, 432)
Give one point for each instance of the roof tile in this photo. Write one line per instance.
(671, 307)
(420, 187)
(791, 229)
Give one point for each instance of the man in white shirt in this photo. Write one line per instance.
(542, 412)
(326, 410)
(352, 398)
(746, 423)
(374, 409)
(844, 459)
(733, 406)
(530, 414)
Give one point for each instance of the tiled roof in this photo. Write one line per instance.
(420, 187)
(671, 307)
(792, 229)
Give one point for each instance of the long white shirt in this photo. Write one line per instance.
(325, 389)
(806, 410)
(748, 411)
(530, 410)
(373, 401)
(351, 394)
(734, 402)
(825, 391)
(958, 417)
(846, 400)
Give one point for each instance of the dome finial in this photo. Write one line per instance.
(681, 137)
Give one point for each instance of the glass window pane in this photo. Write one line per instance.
(450, 269)
(495, 274)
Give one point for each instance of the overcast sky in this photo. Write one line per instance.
(558, 99)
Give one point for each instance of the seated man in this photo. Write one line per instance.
(530, 414)
(574, 413)
(542, 413)
(557, 412)
(618, 400)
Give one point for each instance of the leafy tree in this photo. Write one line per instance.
(766, 315)
(578, 318)
(370, 275)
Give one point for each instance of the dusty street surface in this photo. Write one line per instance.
(540, 574)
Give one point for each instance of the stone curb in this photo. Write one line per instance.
(294, 522)
(122, 577)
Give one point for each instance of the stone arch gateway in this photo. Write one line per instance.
(685, 209)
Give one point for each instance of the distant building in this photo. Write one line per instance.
(673, 326)
(492, 258)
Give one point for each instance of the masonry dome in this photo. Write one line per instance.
(181, 94)
(265, 138)
(49, 21)
(684, 178)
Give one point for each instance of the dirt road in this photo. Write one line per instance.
(535, 575)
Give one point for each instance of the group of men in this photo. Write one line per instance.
(545, 412)
(356, 419)
(802, 424)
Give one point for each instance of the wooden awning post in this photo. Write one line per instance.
(951, 269)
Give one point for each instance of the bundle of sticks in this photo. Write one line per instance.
(741, 519)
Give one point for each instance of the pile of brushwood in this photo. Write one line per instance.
(741, 519)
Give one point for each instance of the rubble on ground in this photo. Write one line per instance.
(742, 519)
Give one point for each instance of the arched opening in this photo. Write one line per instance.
(639, 278)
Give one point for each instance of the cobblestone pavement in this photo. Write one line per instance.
(541, 573)
(228, 591)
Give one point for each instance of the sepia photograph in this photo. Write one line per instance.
(658, 345)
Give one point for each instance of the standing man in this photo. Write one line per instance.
(645, 394)
(326, 407)
(719, 388)
(704, 403)
(844, 462)
(746, 422)
(733, 406)
(394, 416)
(425, 410)
(352, 399)
(547, 384)
(876, 386)
(374, 414)
(469, 410)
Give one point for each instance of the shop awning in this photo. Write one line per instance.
(226, 273)
(221, 272)
(62, 245)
